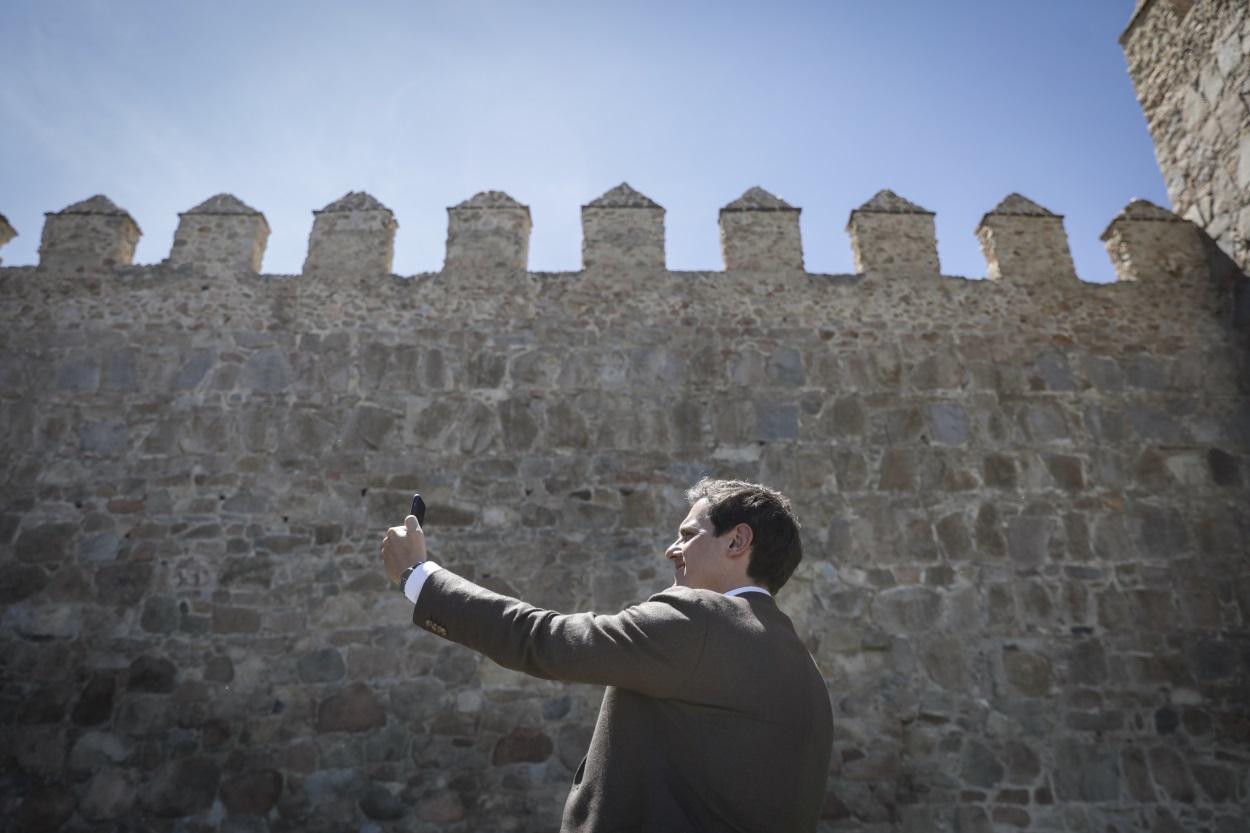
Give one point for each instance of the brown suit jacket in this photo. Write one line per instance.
(715, 717)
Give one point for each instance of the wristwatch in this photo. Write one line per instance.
(403, 577)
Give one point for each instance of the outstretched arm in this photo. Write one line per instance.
(653, 648)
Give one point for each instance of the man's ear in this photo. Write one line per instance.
(740, 540)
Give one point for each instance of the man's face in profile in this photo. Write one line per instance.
(697, 555)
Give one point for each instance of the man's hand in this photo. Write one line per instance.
(402, 547)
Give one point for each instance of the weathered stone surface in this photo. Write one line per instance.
(381, 804)
(160, 614)
(442, 807)
(110, 794)
(21, 581)
(1184, 101)
(252, 793)
(522, 745)
(1028, 673)
(1028, 539)
(181, 787)
(907, 610)
(354, 709)
(123, 583)
(1085, 772)
(46, 809)
(1171, 774)
(152, 674)
(95, 703)
(46, 543)
(321, 666)
(948, 423)
(228, 619)
(41, 623)
(94, 749)
(979, 766)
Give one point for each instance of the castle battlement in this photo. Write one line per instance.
(623, 230)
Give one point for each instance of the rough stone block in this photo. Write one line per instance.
(354, 709)
(948, 423)
(321, 666)
(182, 787)
(110, 794)
(522, 745)
(1028, 673)
(1085, 772)
(21, 581)
(94, 750)
(152, 674)
(907, 610)
(252, 793)
(44, 809)
(228, 619)
(1171, 774)
(979, 766)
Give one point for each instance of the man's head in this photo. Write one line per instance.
(736, 529)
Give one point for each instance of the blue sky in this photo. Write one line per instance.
(288, 105)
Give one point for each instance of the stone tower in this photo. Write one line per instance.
(1190, 64)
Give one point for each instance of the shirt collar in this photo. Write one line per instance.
(750, 588)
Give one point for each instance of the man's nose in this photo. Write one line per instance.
(671, 552)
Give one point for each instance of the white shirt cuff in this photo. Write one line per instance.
(416, 579)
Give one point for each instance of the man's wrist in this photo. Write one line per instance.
(413, 578)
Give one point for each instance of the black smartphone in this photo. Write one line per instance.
(418, 509)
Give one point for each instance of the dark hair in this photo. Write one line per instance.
(775, 545)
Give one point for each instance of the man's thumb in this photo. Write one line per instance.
(410, 524)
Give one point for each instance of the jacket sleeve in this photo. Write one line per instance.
(652, 648)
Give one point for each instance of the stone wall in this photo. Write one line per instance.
(1190, 64)
(1024, 505)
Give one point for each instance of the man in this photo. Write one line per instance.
(715, 717)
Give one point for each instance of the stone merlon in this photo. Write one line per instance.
(1021, 239)
(7, 232)
(220, 235)
(93, 233)
(622, 229)
(893, 236)
(1149, 243)
(760, 232)
(490, 232)
(352, 236)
